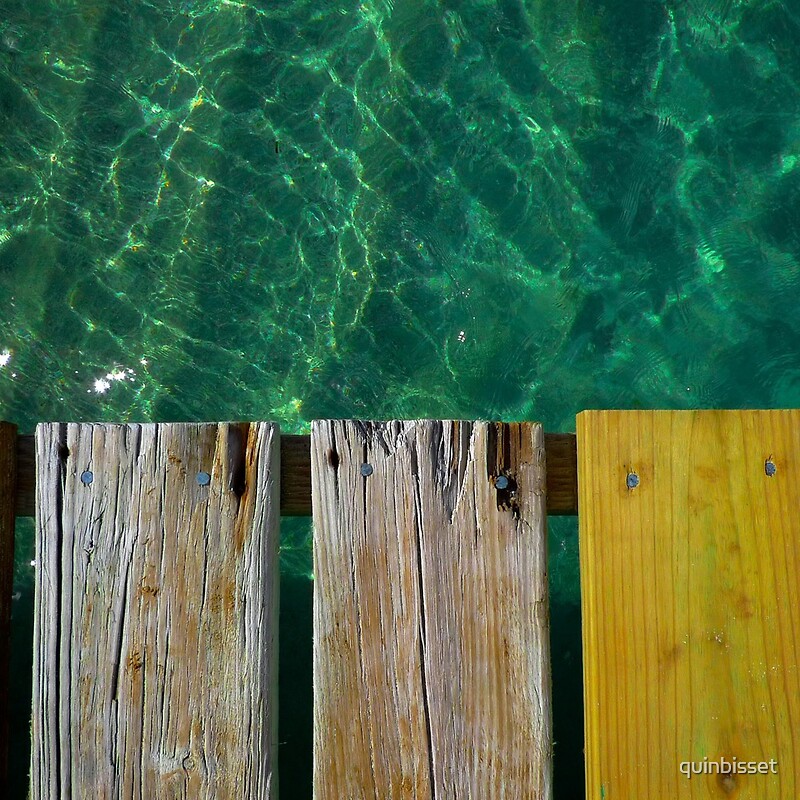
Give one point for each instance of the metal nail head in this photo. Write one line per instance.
(769, 467)
(86, 478)
(632, 481)
(203, 478)
(366, 470)
(501, 482)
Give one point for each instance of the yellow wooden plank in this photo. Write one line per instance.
(690, 587)
(431, 656)
(156, 603)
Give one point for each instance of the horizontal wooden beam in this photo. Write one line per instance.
(560, 450)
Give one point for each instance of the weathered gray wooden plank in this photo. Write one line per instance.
(8, 488)
(431, 641)
(155, 625)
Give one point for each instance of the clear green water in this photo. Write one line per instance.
(506, 210)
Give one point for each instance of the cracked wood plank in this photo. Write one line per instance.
(689, 586)
(431, 637)
(156, 602)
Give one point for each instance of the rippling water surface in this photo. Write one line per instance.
(291, 210)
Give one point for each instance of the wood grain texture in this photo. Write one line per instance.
(156, 602)
(431, 639)
(8, 488)
(562, 475)
(691, 620)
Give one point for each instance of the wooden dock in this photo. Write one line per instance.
(156, 641)
(156, 600)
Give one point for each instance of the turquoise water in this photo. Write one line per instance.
(505, 210)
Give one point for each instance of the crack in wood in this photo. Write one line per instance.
(236, 456)
(423, 636)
